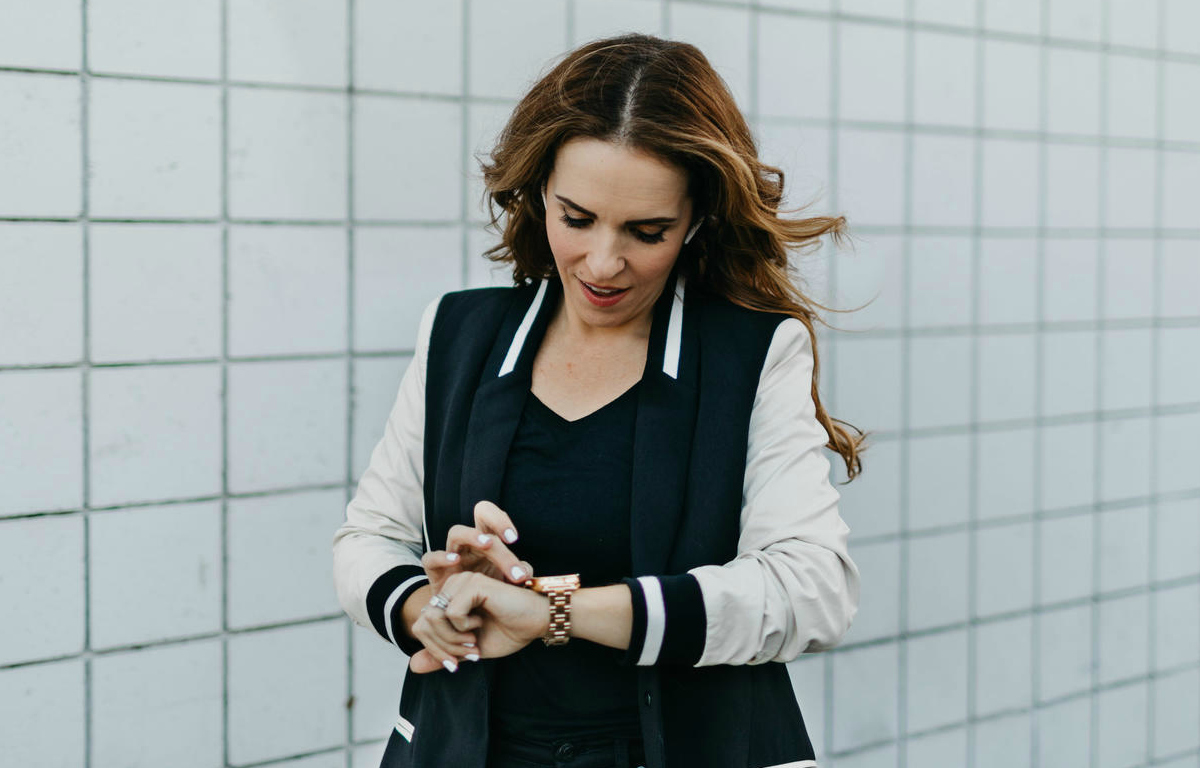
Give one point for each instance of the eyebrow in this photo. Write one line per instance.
(581, 209)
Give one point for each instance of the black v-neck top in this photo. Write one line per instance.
(567, 489)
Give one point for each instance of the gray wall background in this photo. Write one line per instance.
(219, 221)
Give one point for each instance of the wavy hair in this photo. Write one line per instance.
(663, 97)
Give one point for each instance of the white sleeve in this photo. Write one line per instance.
(792, 587)
(384, 526)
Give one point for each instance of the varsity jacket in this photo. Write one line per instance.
(738, 550)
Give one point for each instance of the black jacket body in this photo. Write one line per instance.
(689, 465)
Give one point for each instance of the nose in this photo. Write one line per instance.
(604, 259)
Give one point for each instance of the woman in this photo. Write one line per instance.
(638, 418)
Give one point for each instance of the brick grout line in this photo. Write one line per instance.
(1155, 360)
(351, 95)
(1098, 393)
(906, 386)
(85, 377)
(1121, 593)
(974, 403)
(1035, 665)
(766, 7)
(464, 209)
(224, 363)
(831, 274)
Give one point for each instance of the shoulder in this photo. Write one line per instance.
(736, 332)
(476, 301)
(461, 326)
(474, 309)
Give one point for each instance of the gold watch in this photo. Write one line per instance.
(558, 589)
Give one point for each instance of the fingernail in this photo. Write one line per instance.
(469, 645)
(472, 657)
(452, 557)
(518, 572)
(483, 538)
(510, 535)
(450, 665)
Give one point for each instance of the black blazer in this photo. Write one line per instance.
(689, 465)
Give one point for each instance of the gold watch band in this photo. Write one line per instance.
(558, 589)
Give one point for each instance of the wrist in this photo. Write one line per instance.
(603, 615)
(411, 610)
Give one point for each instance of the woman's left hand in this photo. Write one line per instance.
(505, 618)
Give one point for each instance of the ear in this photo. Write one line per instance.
(687, 238)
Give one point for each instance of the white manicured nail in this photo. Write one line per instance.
(518, 572)
(450, 665)
(472, 657)
(510, 535)
(469, 645)
(452, 557)
(483, 538)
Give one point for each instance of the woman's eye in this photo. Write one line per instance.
(647, 237)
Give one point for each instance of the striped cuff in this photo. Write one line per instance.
(669, 621)
(385, 601)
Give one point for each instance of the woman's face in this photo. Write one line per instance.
(615, 219)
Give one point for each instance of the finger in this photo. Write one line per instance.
(448, 637)
(457, 638)
(489, 518)
(440, 558)
(446, 646)
(423, 662)
(470, 593)
(464, 539)
(440, 564)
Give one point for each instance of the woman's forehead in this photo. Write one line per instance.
(616, 176)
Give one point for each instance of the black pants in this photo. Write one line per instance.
(580, 753)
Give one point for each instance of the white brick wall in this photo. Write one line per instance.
(204, 232)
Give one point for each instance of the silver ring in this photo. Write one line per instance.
(440, 600)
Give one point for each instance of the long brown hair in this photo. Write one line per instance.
(663, 97)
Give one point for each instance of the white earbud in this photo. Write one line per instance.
(687, 238)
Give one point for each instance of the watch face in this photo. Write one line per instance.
(544, 583)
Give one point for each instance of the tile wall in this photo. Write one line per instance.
(219, 223)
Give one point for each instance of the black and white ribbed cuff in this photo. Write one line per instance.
(385, 601)
(669, 621)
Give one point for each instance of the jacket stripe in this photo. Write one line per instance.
(796, 764)
(385, 599)
(514, 349)
(674, 331)
(390, 605)
(406, 729)
(656, 620)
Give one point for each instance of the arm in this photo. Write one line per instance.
(377, 550)
(792, 587)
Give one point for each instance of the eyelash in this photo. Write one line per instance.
(574, 223)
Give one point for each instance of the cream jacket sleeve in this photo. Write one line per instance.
(792, 588)
(383, 534)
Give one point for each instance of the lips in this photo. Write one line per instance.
(602, 296)
(603, 291)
